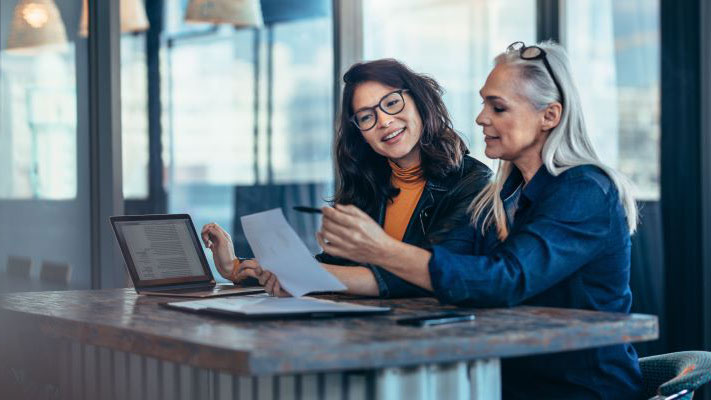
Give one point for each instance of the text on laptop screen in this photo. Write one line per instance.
(161, 249)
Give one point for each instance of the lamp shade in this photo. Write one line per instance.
(242, 13)
(133, 17)
(36, 23)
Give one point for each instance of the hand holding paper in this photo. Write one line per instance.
(280, 250)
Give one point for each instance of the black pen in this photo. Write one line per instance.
(311, 210)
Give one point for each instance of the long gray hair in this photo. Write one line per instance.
(566, 146)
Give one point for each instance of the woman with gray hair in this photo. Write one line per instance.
(552, 229)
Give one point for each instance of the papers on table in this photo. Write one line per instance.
(264, 305)
(280, 250)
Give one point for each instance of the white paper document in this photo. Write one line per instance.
(280, 250)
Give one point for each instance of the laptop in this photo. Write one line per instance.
(164, 257)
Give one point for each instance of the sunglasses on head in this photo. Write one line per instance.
(536, 53)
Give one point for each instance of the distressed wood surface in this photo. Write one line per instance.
(121, 320)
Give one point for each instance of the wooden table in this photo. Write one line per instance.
(116, 344)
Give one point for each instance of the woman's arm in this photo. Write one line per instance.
(359, 280)
(447, 219)
(568, 230)
(350, 233)
(408, 262)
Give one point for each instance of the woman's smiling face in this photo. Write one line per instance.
(513, 128)
(396, 137)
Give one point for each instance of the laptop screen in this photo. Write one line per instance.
(161, 249)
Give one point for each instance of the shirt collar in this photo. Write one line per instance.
(533, 190)
(512, 183)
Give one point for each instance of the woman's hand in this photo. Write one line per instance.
(247, 269)
(220, 243)
(350, 233)
(271, 284)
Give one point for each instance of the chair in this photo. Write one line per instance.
(19, 267)
(254, 198)
(647, 273)
(675, 375)
(55, 272)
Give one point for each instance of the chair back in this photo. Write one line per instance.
(255, 198)
(675, 375)
(19, 267)
(55, 272)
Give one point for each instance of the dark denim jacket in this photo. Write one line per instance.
(442, 207)
(568, 246)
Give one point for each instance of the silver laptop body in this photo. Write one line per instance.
(164, 257)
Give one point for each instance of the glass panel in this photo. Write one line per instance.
(44, 142)
(134, 116)
(303, 101)
(38, 150)
(453, 41)
(212, 109)
(247, 117)
(210, 126)
(615, 56)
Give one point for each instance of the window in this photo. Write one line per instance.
(303, 101)
(38, 124)
(210, 106)
(248, 116)
(209, 121)
(44, 140)
(454, 41)
(134, 116)
(614, 49)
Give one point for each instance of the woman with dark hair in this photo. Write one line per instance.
(398, 159)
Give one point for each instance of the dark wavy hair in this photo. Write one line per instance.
(364, 175)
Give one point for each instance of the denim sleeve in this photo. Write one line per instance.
(458, 241)
(566, 230)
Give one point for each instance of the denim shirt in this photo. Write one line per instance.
(568, 246)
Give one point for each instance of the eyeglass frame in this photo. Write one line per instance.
(398, 91)
(542, 55)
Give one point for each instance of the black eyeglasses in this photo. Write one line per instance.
(391, 104)
(536, 53)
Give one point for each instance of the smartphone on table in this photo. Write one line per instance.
(437, 319)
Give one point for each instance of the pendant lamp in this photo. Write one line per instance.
(133, 17)
(240, 13)
(36, 23)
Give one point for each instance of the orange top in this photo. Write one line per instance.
(397, 214)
